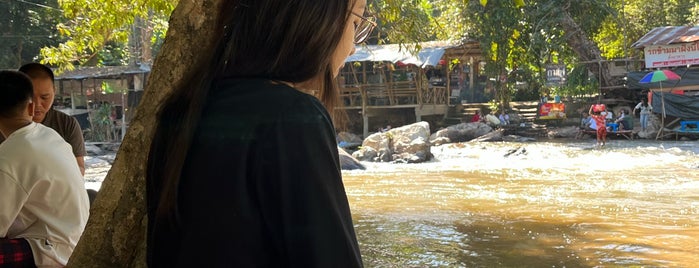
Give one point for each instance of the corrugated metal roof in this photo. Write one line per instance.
(668, 35)
(429, 55)
(102, 72)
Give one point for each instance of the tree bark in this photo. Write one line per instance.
(585, 48)
(115, 235)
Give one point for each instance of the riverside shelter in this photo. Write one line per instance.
(380, 79)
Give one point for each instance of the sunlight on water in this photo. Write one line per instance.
(532, 205)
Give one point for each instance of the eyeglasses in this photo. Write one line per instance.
(362, 31)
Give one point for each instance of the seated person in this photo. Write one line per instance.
(44, 94)
(625, 121)
(608, 115)
(593, 124)
(44, 205)
(504, 118)
(477, 117)
(585, 121)
(491, 119)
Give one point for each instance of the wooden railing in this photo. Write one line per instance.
(392, 94)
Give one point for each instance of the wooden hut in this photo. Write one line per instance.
(381, 78)
(81, 91)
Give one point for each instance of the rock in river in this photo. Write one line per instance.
(403, 144)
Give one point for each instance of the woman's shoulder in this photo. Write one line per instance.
(261, 97)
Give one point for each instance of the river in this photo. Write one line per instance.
(542, 204)
(539, 204)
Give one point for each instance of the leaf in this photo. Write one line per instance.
(519, 3)
(484, 2)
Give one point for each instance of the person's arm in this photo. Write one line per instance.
(75, 138)
(303, 192)
(13, 199)
(81, 164)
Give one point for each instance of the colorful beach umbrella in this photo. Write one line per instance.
(659, 76)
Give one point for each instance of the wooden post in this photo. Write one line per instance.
(472, 70)
(448, 82)
(365, 121)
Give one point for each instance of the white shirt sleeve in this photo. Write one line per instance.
(13, 199)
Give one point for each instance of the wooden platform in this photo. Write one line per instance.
(628, 134)
(679, 132)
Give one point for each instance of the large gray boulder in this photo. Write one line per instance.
(403, 144)
(93, 149)
(460, 132)
(348, 162)
(564, 132)
(654, 125)
(491, 136)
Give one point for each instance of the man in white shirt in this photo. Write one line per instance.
(43, 203)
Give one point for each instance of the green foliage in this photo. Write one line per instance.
(102, 128)
(113, 54)
(92, 25)
(579, 83)
(631, 19)
(403, 21)
(25, 27)
(497, 27)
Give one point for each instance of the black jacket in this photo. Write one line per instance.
(261, 186)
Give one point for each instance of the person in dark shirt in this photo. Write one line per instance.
(66, 125)
(243, 170)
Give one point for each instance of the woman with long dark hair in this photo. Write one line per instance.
(243, 170)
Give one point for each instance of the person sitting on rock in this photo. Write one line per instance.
(492, 120)
(477, 117)
(504, 118)
(44, 205)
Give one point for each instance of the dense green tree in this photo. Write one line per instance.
(631, 19)
(94, 28)
(26, 27)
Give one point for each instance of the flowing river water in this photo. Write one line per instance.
(539, 204)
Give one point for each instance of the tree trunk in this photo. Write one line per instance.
(20, 47)
(115, 235)
(585, 48)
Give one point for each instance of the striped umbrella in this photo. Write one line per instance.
(659, 76)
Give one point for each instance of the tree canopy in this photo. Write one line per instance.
(108, 32)
(26, 27)
(518, 37)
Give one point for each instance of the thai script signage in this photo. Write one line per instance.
(555, 74)
(672, 55)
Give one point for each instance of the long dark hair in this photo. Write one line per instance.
(291, 41)
(644, 102)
